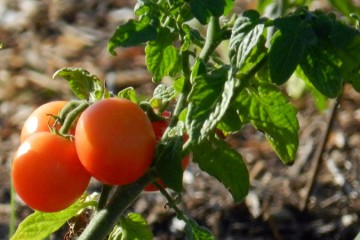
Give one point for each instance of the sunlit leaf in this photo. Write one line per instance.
(133, 33)
(196, 232)
(82, 83)
(40, 225)
(268, 110)
(224, 163)
(131, 227)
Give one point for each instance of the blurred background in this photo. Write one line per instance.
(316, 198)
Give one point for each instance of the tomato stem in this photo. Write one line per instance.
(171, 202)
(213, 39)
(105, 192)
(105, 219)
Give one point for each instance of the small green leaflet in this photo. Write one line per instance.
(321, 65)
(146, 7)
(288, 47)
(208, 100)
(319, 99)
(128, 93)
(196, 232)
(83, 84)
(192, 36)
(244, 37)
(162, 57)
(268, 110)
(162, 95)
(131, 227)
(351, 62)
(341, 35)
(168, 158)
(218, 159)
(39, 225)
(231, 121)
(133, 33)
(229, 5)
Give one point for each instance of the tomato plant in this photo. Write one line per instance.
(41, 119)
(47, 173)
(115, 141)
(212, 96)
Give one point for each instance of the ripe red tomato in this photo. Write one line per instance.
(115, 141)
(159, 129)
(47, 173)
(40, 120)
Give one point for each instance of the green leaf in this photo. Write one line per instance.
(268, 110)
(40, 225)
(319, 99)
(288, 47)
(208, 100)
(82, 83)
(350, 57)
(192, 36)
(342, 35)
(231, 121)
(224, 163)
(284, 56)
(161, 56)
(229, 5)
(245, 36)
(203, 9)
(128, 93)
(162, 95)
(147, 7)
(168, 158)
(321, 65)
(131, 227)
(133, 33)
(196, 232)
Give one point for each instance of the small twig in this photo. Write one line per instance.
(319, 153)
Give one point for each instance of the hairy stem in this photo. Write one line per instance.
(105, 220)
(171, 203)
(212, 39)
(72, 116)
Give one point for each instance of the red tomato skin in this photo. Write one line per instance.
(47, 173)
(39, 120)
(115, 141)
(159, 129)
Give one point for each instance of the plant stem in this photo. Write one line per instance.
(104, 221)
(171, 202)
(212, 39)
(105, 192)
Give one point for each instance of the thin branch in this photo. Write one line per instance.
(318, 154)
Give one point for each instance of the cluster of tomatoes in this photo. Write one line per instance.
(113, 141)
